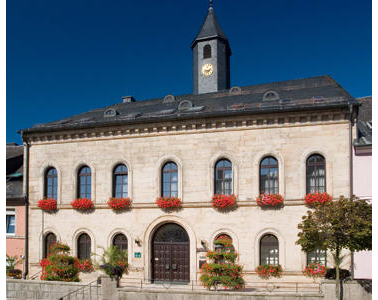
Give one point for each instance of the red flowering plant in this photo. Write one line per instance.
(84, 265)
(168, 203)
(223, 202)
(119, 204)
(59, 266)
(266, 271)
(317, 198)
(48, 205)
(82, 204)
(315, 270)
(273, 200)
(222, 270)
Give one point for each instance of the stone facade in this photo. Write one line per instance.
(194, 147)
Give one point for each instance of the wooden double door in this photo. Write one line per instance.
(170, 254)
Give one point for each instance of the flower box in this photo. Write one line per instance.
(119, 203)
(168, 202)
(266, 271)
(314, 270)
(82, 204)
(223, 202)
(270, 200)
(317, 198)
(47, 204)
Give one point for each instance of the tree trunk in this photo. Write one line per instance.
(337, 266)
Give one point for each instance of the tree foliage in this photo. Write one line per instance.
(342, 224)
(346, 223)
(114, 262)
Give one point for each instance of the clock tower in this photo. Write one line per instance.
(211, 57)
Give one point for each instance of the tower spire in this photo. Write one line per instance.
(211, 4)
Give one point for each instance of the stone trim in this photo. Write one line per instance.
(192, 126)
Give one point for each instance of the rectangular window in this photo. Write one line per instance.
(11, 221)
(317, 256)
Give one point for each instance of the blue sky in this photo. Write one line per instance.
(67, 57)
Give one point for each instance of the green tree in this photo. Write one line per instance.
(342, 224)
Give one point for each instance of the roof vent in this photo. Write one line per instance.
(185, 105)
(169, 99)
(270, 96)
(110, 112)
(128, 99)
(235, 90)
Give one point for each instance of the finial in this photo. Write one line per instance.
(211, 4)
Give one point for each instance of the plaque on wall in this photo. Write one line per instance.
(137, 254)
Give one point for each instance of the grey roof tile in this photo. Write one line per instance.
(313, 93)
(210, 28)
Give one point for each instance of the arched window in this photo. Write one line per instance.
(223, 177)
(317, 256)
(315, 174)
(51, 183)
(207, 51)
(120, 182)
(50, 239)
(84, 183)
(120, 241)
(221, 247)
(169, 182)
(269, 250)
(84, 246)
(269, 176)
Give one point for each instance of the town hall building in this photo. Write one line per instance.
(291, 137)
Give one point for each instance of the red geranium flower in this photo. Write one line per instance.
(269, 200)
(168, 202)
(82, 204)
(223, 201)
(119, 203)
(47, 204)
(317, 198)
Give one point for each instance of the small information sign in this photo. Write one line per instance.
(137, 254)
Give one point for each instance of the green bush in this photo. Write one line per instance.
(331, 274)
(223, 270)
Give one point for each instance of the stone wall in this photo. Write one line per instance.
(195, 151)
(47, 290)
(44, 290)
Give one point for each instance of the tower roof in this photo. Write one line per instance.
(210, 28)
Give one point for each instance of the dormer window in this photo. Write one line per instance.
(110, 112)
(270, 96)
(207, 51)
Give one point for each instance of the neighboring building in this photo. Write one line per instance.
(362, 177)
(289, 137)
(15, 210)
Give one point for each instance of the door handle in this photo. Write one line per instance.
(174, 267)
(167, 266)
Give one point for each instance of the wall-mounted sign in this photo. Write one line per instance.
(137, 254)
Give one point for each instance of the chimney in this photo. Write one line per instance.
(128, 99)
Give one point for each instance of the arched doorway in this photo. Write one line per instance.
(170, 253)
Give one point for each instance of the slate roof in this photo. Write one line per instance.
(14, 175)
(315, 93)
(365, 111)
(210, 29)
(364, 124)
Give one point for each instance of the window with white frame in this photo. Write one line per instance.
(11, 221)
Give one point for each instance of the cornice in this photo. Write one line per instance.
(206, 125)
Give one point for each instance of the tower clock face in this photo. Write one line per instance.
(207, 69)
